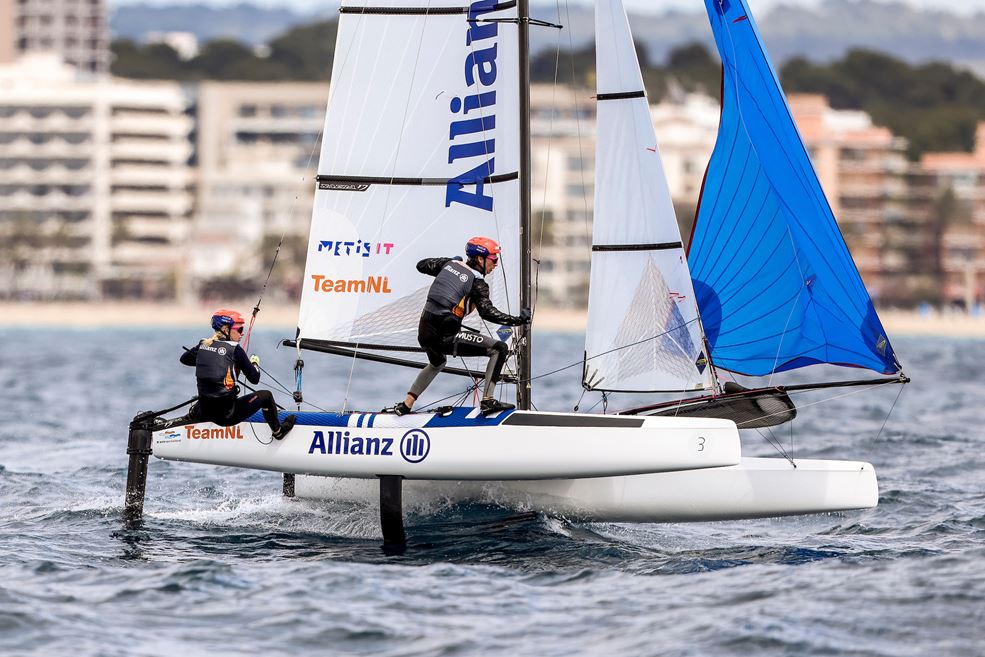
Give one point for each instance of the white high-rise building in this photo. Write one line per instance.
(76, 30)
(257, 158)
(563, 178)
(96, 190)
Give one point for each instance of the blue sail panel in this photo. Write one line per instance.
(774, 280)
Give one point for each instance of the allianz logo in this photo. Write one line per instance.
(414, 446)
(472, 129)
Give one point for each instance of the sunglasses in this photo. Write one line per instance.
(238, 329)
(492, 258)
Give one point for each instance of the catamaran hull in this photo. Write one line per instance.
(461, 445)
(754, 488)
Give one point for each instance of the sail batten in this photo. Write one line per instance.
(420, 153)
(775, 283)
(643, 331)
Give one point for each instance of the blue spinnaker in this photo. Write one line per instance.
(775, 283)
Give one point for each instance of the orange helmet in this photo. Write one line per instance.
(225, 317)
(482, 246)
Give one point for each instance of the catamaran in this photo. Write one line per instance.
(426, 144)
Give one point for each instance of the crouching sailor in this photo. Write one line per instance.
(458, 288)
(218, 361)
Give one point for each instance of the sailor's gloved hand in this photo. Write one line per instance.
(459, 258)
(255, 360)
(525, 315)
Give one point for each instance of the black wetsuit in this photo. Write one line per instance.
(216, 367)
(456, 291)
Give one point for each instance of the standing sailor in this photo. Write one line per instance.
(218, 361)
(459, 288)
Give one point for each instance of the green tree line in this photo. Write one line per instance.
(934, 106)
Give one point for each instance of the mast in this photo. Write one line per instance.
(525, 334)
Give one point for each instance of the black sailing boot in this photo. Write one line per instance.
(490, 406)
(285, 426)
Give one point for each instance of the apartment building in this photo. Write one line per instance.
(257, 151)
(76, 30)
(864, 172)
(562, 126)
(95, 198)
(563, 173)
(948, 194)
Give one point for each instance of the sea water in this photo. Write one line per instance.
(225, 565)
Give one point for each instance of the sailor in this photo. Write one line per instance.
(218, 361)
(458, 288)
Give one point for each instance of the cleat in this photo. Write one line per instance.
(397, 409)
(284, 428)
(493, 406)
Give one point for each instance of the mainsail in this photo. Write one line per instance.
(643, 330)
(775, 283)
(412, 165)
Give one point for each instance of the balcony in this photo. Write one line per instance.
(146, 256)
(147, 124)
(174, 177)
(24, 200)
(54, 174)
(175, 205)
(163, 230)
(176, 151)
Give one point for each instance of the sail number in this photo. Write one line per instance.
(701, 443)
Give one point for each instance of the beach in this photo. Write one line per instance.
(117, 314)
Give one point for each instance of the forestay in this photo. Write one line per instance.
(420, 153)
(643, 330)
(776, 285)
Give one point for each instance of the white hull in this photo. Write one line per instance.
(755, 488)
(462, 445)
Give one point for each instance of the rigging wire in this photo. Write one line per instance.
(898, 394)
(581, 154)
(605, 353)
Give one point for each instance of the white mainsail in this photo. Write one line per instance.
(420, 98)
(643, 330)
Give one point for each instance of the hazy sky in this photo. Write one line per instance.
(759, 6)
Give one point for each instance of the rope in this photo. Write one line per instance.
(298, 371)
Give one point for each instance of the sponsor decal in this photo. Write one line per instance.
(341, 442)
(169, 436)
(343, 186)
(474, 121)
(415, 445)
(217, 433)
(359, 247)
(469, 336)
(369, 285)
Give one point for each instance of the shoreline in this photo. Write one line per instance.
(115, 314)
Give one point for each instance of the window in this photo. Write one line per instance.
(578, 191)
(578, 163)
